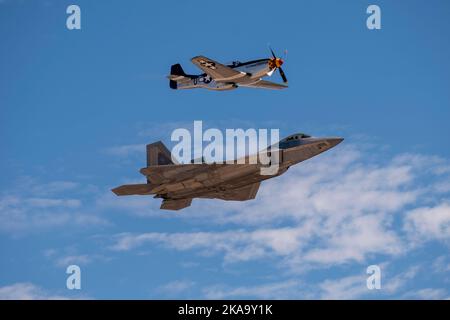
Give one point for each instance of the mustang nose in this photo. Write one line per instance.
(279, 62)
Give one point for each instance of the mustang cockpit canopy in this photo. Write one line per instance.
(234, 63)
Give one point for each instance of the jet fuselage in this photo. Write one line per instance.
(178, 184)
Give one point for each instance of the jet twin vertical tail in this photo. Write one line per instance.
(157, 155)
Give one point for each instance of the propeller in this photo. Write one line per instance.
(283, 76)
(276, 63)
(273, 53)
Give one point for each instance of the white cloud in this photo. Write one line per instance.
(236, 245)
(441, 264)
(427, 223)
(341, 288)
(127, 150)
(141, 206)
(63, 257)
(289, 289)
(393, 283)
(352, 287)
(355, 240)
(22, 211)
(333, 210)
(336, 186)
(26, 291)
(46, 202)
(355, 286)
(52, 188)
(175, 288)
(427, 294)
(341, 207)
(20, 217)
(66, 261)
(287, 243)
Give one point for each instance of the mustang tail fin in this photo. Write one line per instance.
(177, 70)
(176, 73)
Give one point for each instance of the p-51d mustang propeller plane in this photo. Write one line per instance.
(219, 76)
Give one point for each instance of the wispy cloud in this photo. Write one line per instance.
(288, 289)
(442, 264)
(352, 287)
(339, 288)
(428, 223)
(54, 187)
(340, 208)
(428, 294)
(65, 261)
(22, 211)
(27, 291)
(355, 286)
(343, 207)
(237, 245)
(127, 150)
(175, 288)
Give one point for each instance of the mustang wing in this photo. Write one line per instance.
(264, 84)
(216, 70)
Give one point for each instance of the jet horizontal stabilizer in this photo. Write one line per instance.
(169, 204)
(131, 189)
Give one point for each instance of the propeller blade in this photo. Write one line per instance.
(273, 53)
(283, 76)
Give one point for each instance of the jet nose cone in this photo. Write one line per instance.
(334, 141)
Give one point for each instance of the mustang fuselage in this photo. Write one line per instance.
(253, 70)
(219, 76)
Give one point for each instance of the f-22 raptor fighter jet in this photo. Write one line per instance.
(219, 76)
(178, 184)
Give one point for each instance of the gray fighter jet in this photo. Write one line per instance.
(178, 184)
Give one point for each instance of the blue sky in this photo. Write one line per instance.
(77, 108)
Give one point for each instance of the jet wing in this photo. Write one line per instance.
(264, 84)
(167, 173)
(216, 70)
(239, 194)
(201, 172)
